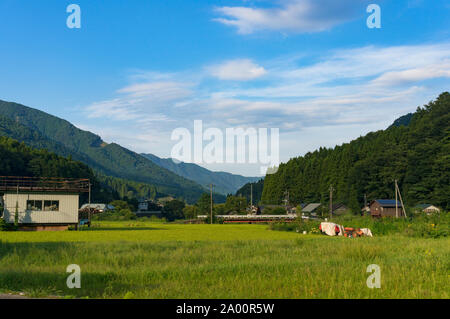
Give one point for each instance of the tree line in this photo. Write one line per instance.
(417, 154)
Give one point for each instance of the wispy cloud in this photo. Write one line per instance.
(239, 70)
(143, 102)
(344, 89)
(297, 16)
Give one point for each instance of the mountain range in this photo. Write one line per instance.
(40, 130)
(224, 183)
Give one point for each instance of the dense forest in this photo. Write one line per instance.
(415, 151)
(245, 191)
(129, 189)
(17, 159)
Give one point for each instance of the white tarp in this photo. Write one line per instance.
(366, 232)
(329, 228)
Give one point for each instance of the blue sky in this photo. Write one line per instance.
(136, 70)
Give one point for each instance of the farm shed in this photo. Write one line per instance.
(42, 203)
(427, 208)
(386, 208)
(339, 209)
(311, 209)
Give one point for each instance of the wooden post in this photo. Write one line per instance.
(89, 209)
(211, 189)
(251, 195)
(401, 200)
(331, 201)
(396, 201)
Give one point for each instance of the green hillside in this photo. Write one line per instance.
(18, 159)
(41, 130)
(257, 189)
(225, 183)
(418, 155)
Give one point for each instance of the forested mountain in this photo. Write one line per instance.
(417, 155)
(225, 183)
(41, 130)
(257, 189)
(18, 159)
(403, 120)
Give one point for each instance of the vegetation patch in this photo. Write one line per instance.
(123, 259)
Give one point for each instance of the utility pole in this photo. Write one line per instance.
(365, 205)
(400, 195)
(211, 192)
(331, 201)
(251, 195)
(396, 201)
(89, 209)
(89, 192)
(286, 200)
(16, 212)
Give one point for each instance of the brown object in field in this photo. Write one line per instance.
(359, 232)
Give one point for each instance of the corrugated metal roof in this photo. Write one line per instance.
(388, 202)
(311, 207)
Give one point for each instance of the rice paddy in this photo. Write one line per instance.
(156, 260)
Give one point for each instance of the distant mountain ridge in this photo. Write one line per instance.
(225, 183)
(41, 130)
(403, 120)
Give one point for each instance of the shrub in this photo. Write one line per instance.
(122, 214)
(299, 226)
(4, 226)
(274, 211)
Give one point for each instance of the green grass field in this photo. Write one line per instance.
(155, 260)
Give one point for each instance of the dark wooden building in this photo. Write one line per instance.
(339, 209)
(386, 208)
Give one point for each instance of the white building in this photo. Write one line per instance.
(50, 204)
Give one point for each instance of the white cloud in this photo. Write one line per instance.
(441, 70)
(344, 92)
(149, 98)
(344, 84)
(298, 16)
(239, 70)
(162, 91)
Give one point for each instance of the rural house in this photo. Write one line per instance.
(41, 203)
(427, 208)
(386, 208)
(339, 209)
(311, 209)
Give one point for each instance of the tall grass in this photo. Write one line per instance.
(187, 262)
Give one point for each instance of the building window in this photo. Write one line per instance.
(34, 205)
(51, 205)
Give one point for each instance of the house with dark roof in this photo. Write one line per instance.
(311, 209)
(386, 208)
(339, 209)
